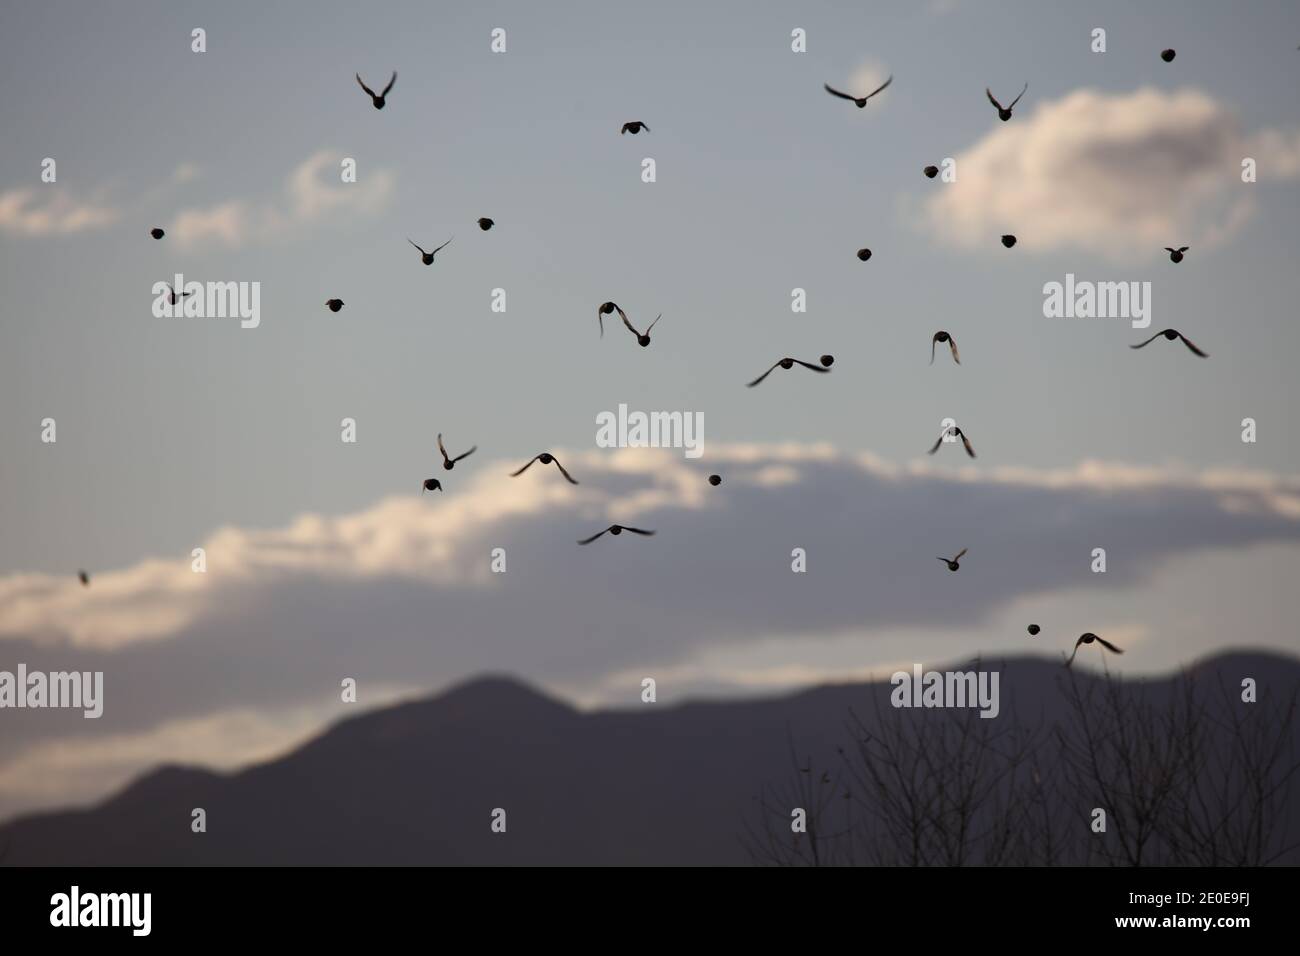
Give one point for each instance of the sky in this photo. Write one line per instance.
(323, 559)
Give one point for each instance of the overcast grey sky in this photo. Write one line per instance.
(177, 433)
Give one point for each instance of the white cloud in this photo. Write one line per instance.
(313, 192)
(51, 211)
(1115, 174)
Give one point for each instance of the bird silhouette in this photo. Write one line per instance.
(955, 431)
(545, 458)
(1004, 112)
(172, 297)
(642, 338)
(788, 363)
(1176, 255)
(1008, 240)
(450, 463)
(1171, 334)
(715, 480)
(942, 336)
(931, 172)
(861, 101)
(485, 223)
(1033, 630)
(379, 99)
(427, 257)
(604, 309)
(431, 484)
(616, 530)
(634, 127)
(84, 578)
(954, 562)
(156, 232)
(1168, 55)
(1088, 639)
(864, 254)
(334, 304)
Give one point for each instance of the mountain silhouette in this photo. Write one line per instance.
(416, 783)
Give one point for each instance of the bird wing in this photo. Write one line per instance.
(623, 132)
(1017, 99)
(960, 553)
(834, 92)
(1183, 248)
(937, 442)
(390, 84)
(992, 99)
(952, 344)
(623, 316)
(638, 531)
(442, 450)
(933, 342)
(881, 86)
(593, 537)
(1188, 343)
(515, 474)
(1109, 646)
(763, 376)
(467, 454)
(966, 442)
(1169, 249)
(809, 365)
(654, 323)
(1073, 652)
(644, 127)
(443, 246)
(572, 480)
(600, 318)
(422, 252)
(364, 87)
(944, 560)
(1148, 341)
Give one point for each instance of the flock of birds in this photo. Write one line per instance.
(950, 434)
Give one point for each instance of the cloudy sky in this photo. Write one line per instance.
(323, 560)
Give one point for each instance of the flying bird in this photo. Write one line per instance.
(1033, 630)
(431, 484)
(955, 431)
(788, 362)
(634, 127)
(616, 529)
(642, 338)
(1171, 334)
(545, 458)
(931, 172)
(156, 232)
(427, 257)
(861, 101)
(1176, 255)
(864, 254)
(84, 578)
(485, 223)
(378, 100)
(1168, 55)
(942, 336)
(450, 463)
(954, 562)
(172, 297)
(1008, 240)
(334, 304)
(715, 480)
(1088, 639)
(604, 309)
(1004, 112)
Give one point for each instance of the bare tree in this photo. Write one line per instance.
(1186, 775)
